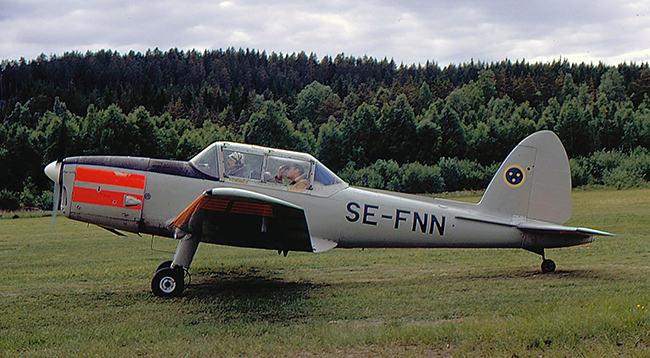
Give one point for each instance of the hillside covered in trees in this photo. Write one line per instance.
(410, 128)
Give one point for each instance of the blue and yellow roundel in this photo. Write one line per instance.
(514, 176)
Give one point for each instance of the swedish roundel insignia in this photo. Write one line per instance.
(514, 176)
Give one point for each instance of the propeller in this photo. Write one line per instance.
(53, 171)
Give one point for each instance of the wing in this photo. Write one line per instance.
(244, 218)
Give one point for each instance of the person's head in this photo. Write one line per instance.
(294, 170)
(235, 161)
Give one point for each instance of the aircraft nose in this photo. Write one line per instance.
(52, 171)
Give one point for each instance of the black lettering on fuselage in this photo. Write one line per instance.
(367, 214)
(398, 217)
(421, 223)
(439, 226)
(418, 221)
(424, 223)
(355, 214)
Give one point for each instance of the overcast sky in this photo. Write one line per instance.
(408, 31)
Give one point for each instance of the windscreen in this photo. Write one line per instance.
(324, 176)
(206, 161)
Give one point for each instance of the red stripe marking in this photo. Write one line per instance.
(221, 205)
(202, 202)
(110, 177)
(215, 205)
(103, 197)
(240, 207)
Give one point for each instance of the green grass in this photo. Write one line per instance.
(85, 292)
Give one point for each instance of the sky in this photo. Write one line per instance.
(407, 31)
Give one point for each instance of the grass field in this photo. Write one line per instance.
(85, 292)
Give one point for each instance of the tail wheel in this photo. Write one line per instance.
(168, 282)
(548, 266)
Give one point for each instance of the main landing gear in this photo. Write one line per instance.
(169, 279)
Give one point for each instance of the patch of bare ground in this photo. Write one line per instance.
(412, 350)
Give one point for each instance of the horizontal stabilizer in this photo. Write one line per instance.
(539, 227)
(559, 229)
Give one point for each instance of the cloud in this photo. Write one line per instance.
(409, 31)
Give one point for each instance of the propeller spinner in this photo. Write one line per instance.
(52, 171)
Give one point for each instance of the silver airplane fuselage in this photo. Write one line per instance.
(258, 205)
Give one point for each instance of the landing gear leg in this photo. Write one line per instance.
(186, 248)
(169, 279)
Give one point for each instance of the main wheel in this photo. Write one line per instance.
(168, 282)
(164, 264)
(548, 266)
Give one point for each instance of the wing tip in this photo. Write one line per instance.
(322, 245)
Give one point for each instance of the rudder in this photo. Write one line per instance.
(534, 181)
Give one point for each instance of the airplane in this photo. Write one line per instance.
(252, 196)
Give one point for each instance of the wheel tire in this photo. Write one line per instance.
(548, 266)
(168, 282)
(164, 264)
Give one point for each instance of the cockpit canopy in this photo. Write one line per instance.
(250, 163)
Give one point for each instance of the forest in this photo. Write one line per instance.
(417, 128)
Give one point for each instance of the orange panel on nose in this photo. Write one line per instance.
(110, 177)
(103, 197)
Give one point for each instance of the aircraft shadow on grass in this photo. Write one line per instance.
(248, 296)
(481, 275)
(254, 285)
(247, 284)
(253, 295)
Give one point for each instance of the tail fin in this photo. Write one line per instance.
(534, 181)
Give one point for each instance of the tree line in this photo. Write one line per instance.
(407, 128)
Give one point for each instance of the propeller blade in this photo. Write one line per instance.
(61, 142)
(53, 171)
(55, 205)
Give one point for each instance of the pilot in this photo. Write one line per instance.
(235, 164)
(295, 176)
